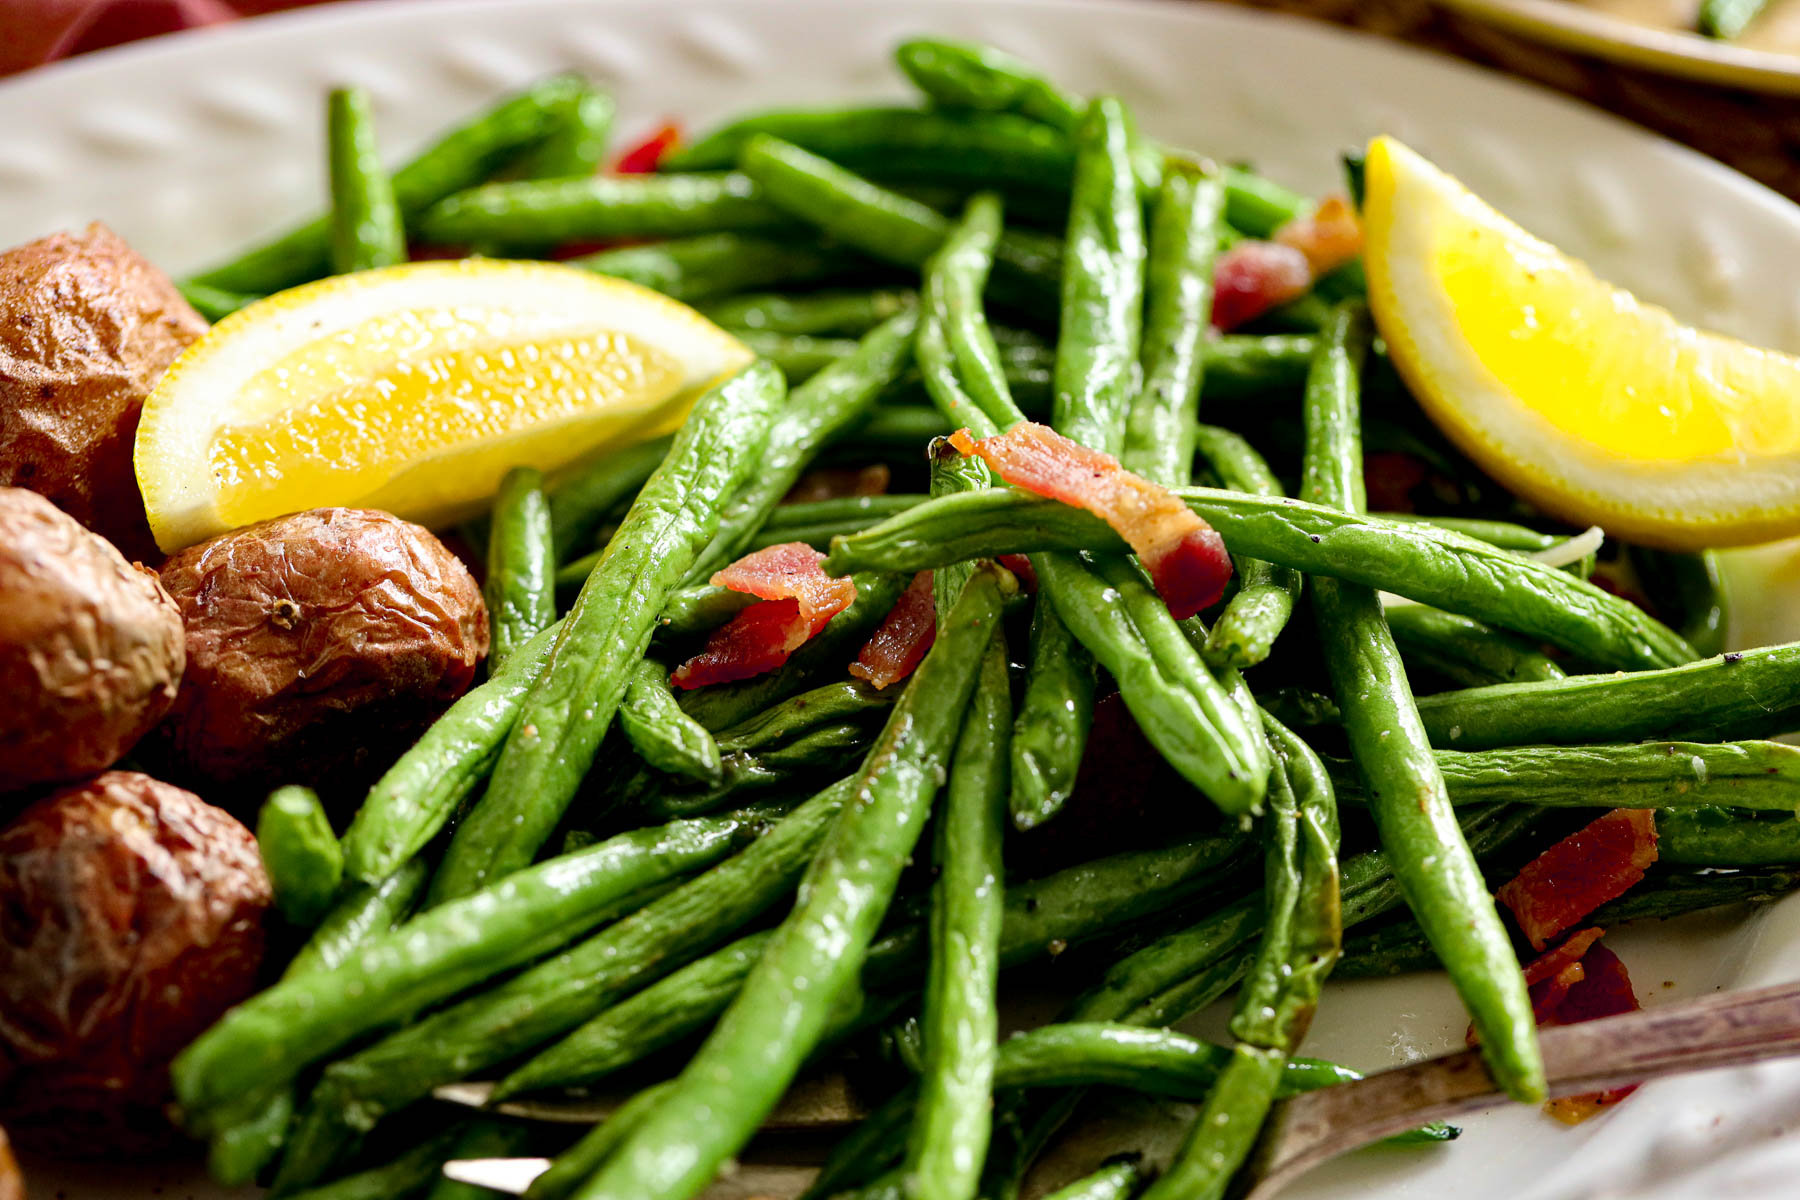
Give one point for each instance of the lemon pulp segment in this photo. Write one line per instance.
(367, 426)
(1599, 364)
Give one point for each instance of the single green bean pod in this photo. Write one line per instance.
(302, 854)
(521, 566)
(366, 229)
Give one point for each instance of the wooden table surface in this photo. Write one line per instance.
(1757, 134)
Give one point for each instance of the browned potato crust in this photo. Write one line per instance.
(91, 647)
(319, 645)
(90, 327)
(130, 919)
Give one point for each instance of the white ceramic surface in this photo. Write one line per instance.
(189, 146)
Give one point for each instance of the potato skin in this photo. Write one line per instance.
(90, 328)
(91, 646)
(131, 918)
(320, 644)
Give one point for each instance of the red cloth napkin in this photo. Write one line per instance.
(33, 32)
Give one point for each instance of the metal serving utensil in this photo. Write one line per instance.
(1725, 1030)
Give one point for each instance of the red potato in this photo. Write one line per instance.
(131, 918)
(90, 327)
(91, 647)
(319, 645)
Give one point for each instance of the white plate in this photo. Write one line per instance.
(1659, 35)
(190, 146)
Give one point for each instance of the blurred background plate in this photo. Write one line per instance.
(190, 146)
(1658, 35)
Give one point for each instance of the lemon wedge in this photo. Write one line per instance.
(413, 389)
(1598, 408)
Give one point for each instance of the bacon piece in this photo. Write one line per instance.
(1253, 277)
(838, 483)
(1185, 556)
(1553, 973)
(1021, 566)
(1330, 237)
(1604, 990)
(1580, 873)
(798, 601)
(647, 155)
(906, 633)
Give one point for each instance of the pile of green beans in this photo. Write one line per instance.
(745, 886)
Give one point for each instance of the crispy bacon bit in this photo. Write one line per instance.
(647, 155)
(838, 483)
(798, 601)
(1603, 990)
(1021, 566)
(1185, 556)
(1253, 277)
(1329, 238)
(1571, 879)
(906, 633)
(1552, 974)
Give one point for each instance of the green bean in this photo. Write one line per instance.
(817, 522)
(933, 145)
(821, 659)
(408, 1175)
(826, 404)
(1055, 714)
(799, 355)
(842, 314)
(240, 1149)
(1069, 906)
(818, 953)
(1184, 236)
(1717, 837)
(1241, 365)
(1755, 693)
(521, 563)
(302, 855)
(570, 1168)
(1725, 19)
(1103, 286)
(1114, 1181)
(267, 1040)
(1754, 776)
(1688, 585)
(664, 736)
(1300, 943)
(1256, 614)
(366, 229)
(1503, 534)
(575, 146)
(1466, 651)
(459, 159)
(364, 911)
(1182, 1000)
(956, 351)
(882, 224)
(695, 609)
(531, 211)
(583, 495)
(567, 710)
(1433, 566)
(560, 993)
(417, 796)
(481, 1139)
(706, 266)
(1407, 796)
(960, 1019)
(215, 304)
(814, 754)
(966, 75)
